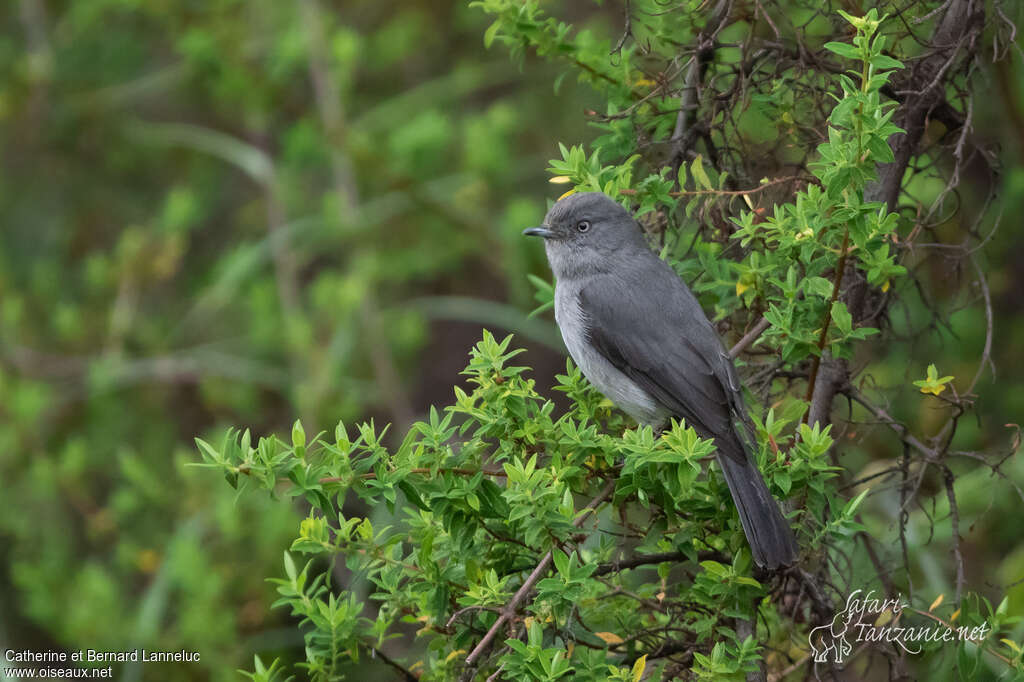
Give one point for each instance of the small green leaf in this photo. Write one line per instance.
(851, 506)
(412, 495)
(715, 568)
(882, 62)
(933, 383)
(818, 286)
(697, 171)
(843, 50)
(784, 481)
(841, 316)
(289, 567)
(561, 561)
(298, 435)
(639, 666)
(491, 32)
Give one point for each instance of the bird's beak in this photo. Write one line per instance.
(539, 232)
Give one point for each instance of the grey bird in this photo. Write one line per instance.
(639, 335)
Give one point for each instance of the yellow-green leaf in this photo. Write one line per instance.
(638, 668)
(933, 383)
(697, 171)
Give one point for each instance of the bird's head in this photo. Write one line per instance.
(584, 232)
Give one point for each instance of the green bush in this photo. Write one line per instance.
(530, 545)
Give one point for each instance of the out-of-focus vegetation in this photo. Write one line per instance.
(243, 212)
(232, 212)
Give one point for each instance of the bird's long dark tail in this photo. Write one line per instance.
(768, 533)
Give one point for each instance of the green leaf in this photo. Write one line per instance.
(882, 62)
(561, 561)
(933, 383)
(842, 318)
(784, 481)
(843, 50)
(208, 451)
(298, 435)
(637, 673)
(697, 171)
(491, 32)
(412, 495)
(715, 568)
(289, 567)
(818, 286)
(851, 507)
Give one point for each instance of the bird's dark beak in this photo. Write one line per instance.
(539, 232)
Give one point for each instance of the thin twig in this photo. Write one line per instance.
(937, 619)
(406, 674)
(466, 609)
(626, 32)
(826, 323)
(954, 517)
(648, 559)
(418, 470)
(896, 426)
(776, 677)
(986, 353)
(509, 610)
(749, 338)
(730, 193)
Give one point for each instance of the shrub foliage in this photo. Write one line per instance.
(511, 541)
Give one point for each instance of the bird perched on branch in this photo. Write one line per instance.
(638, 334)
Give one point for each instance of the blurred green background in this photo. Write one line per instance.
(228, 212)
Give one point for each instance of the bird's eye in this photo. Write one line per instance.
(583, 225)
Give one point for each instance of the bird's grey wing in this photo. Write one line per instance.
(663, 341)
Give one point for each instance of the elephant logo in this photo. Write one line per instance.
(876, 619)
(831, 638)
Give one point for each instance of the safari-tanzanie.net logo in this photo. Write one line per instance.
(867, 618)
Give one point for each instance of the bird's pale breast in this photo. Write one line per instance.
(613, 384)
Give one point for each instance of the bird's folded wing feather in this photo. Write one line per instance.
(665, 344)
